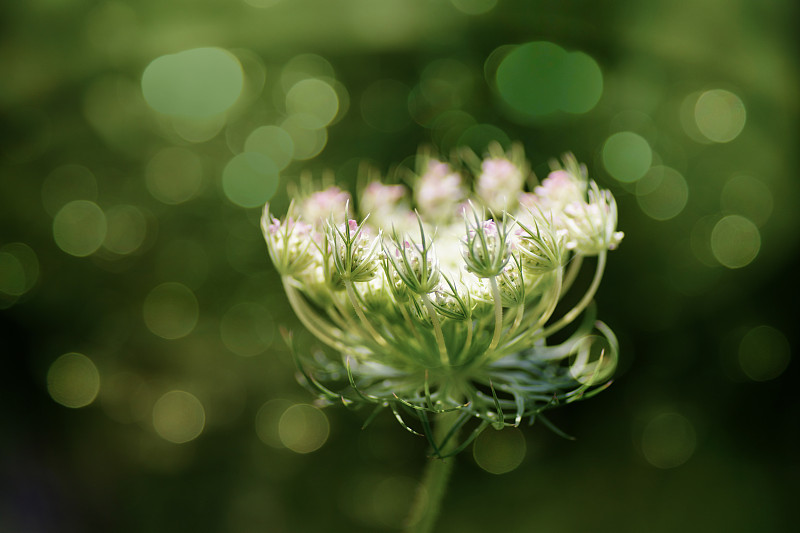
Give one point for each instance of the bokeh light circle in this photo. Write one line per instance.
(247, 329)
(250, 179)
(79, 228)
(273, 142)
(303, 428)
(127, 229)
(313, 98)
(199, 130)
(174, 175)
(308, 139)
(668, 440)
(627, 156)
(499, 452)
(170, 310)
(194, 83)
(178, 417)
(735, 241)
(302, 67)
(662, 193)
(764, 353)
(720, 115)
(267, 420)
(539, 78)
(582, 83)
(73, 380)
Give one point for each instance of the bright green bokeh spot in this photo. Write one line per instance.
(627, 156)
(720, 115)
(174, 175)
(303, 428)
(272, 141)
(267, 421)
(529, 78)
(764, 353)
(662, 193)
(79, 228)
(170, 310)
(178, 417)
(73, 380)
(583, 83)
(540, 78)
(314, 98)
(499, 452)
(194, 83)
(250, 179)
(735, 241)
(199, 130)
(247, 329)
(305, 66)
(308, 139)
(127, 228)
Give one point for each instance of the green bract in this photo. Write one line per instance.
(433, 306)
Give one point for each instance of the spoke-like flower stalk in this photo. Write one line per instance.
(441, 300)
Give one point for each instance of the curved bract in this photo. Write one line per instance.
(446, 304)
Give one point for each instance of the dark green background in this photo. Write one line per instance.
(679, 319)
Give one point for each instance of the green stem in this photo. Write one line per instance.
(498, 314)
(580, 306)
(437, 331)
(428, 501)
(351, 294)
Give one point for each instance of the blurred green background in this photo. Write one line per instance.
(143, 384)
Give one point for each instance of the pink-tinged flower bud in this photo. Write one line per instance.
(289, 243)
(485, 246)
(438, 192)
(592, 225)
(378, 197)
(499, 184)
(323, 205)
(355, 254)
(558, 189)
(387, 206)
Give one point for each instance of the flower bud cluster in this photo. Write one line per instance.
(354, 254)
(288, 243)
(486, 249)
(414, 263)
(443, 293)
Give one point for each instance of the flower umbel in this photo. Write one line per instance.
(456, 314)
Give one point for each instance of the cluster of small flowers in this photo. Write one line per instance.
(433, 296)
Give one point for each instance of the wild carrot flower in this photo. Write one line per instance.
(449, 304)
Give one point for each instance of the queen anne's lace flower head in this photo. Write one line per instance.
(447, 304)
